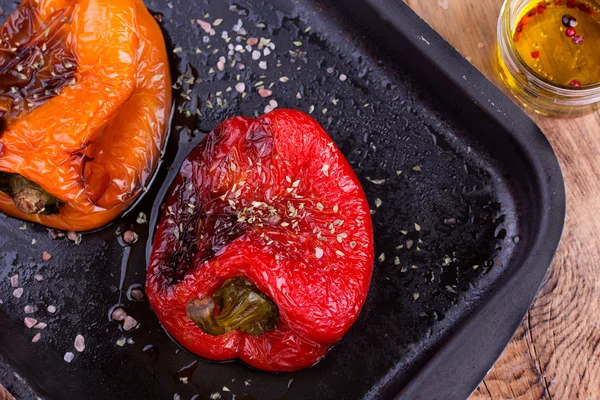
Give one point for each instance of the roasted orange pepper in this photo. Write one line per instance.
(85, 102)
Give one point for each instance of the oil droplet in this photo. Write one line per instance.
(152, 351)
(185, 373)
(124, 267)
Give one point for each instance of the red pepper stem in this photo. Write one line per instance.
(241, 307)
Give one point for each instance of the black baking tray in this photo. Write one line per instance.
(472, 204)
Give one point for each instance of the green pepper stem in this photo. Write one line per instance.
(241, 307)
(28, 197)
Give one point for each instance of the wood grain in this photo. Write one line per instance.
(556, 352)
(4, 395)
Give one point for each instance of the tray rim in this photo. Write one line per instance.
(461, 363)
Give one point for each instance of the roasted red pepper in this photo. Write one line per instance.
(264, 251)
(85, 100)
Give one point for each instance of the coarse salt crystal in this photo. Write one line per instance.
(130, 323)
(343, 77)
(40, 325)
(69, 356)
(51, 309)
(206, 26)
(237, 26)
(137, 294)
(14, 280)
(36, 338)
(130, 237)
(262, 65)
(28, 309)
(265, 92)
(240, 87)
(118, 314)
(255, 55)
(18, 293)
(38, 277)
(221, 64)
(30, 322)
(79, 343)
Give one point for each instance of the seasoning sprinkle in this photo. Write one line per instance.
(376, 181)
(319, 252)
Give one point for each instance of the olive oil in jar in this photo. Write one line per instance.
(549, 55)
(560, 41)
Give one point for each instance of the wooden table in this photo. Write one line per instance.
(556, 352)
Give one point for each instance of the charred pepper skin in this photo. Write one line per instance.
(93, 141)
(263, 208)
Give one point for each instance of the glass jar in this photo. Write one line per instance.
(529, 88)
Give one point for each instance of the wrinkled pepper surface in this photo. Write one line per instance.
(264, 251)
(85, 101)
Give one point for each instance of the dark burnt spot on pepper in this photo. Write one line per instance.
(35, 61)
(201, 231)
(259, 142)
